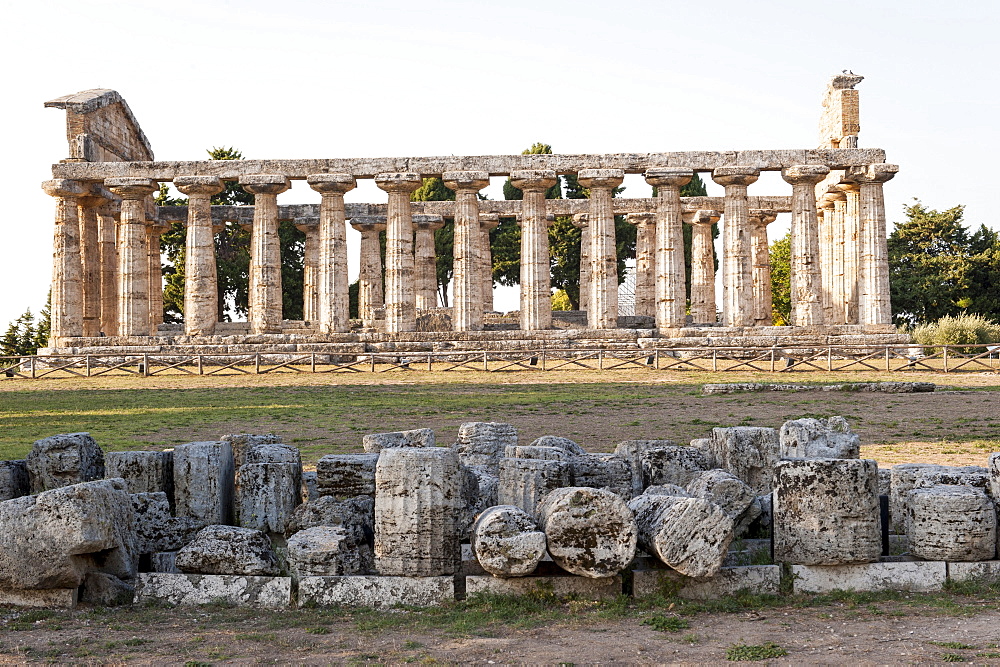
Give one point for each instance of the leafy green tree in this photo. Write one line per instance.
(781, 285)
(434, 189)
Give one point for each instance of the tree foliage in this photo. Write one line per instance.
(24, 335)
(434, 189)
(781, 280)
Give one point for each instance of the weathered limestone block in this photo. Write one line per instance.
(240, 442)
(155, 528)
(603, 471)
(666, 490)
(993, 466)
(14, 480)
(267, 494)
(418, 501)
(589, 532)
(143, 472)
(204, 480)
(506, 541)
(749, 452)
(691, 535)
(106, 590)
(379, 592)
(51, 540)
(524, 482)
(479, 491)
(61, 460)
(346, 475)
(884, 482)
(730, 493)
(418, 437)
(903, 480)
(671, 465)
(272, 452)
(310, 486)
(952, 523)
(228, 550)
(579, 588)
(329, 551)
(562, 443)
(728, 582)
(704, 445)
(358, 512)
(909, 476)
(826, 512)
(164, 561)
(483, 443)
(531, 452)
(631, 451)
(198, 589)
(917, 576)
(973, 476)
(819, 438)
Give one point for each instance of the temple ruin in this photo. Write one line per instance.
(107, 289)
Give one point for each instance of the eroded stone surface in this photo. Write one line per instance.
(378, 592)
(14, 481)
(589, 532)
(106, 590)
(267, 495)
(727, 582)
(562, 443)
(603, 471)
(346, 475)
(506, 541)
(271, 452)
(197, 589)
(204, 481)
(240, 442)
(358, 511)
(419, 437)
(671, 465)
(330, 551)
(730, 493)
(228, 550)
(143, 472)
(531, 452)
(749, 452)
(950, 522)
(691, 535)
(483, 443)
(524, 482)
(155, 528)
(918, 576)
(631, 451)
(581, 588)
(61, 460)
(819, 438)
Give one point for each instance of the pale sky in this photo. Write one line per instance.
(307, 79)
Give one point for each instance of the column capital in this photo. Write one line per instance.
(600, 178)
(640, 219)
(265, 184)
(805, 174)
(331, 183)
(489, 220)
(873, 173)
(668, 176)
(702, 217)
(156, 227)
(368, 223)
(762, 216)
(466, 180)
(736, 175)
(306, 225)
(204, 186)
(834, 195)
(128, 187)
(428, 222)
(62, 187)
(848, 187)
(581, 220)
(404, 182)
(533, 179)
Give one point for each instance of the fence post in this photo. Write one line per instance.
(887, 357)
(200, 371)
(34, 362)
(312, 362)
(656, 359)
(145, 365)
(88, 365)
(600, 359)
(429, 368)
(543, 359)
(829, 359)
(945, 358)
(715, 360)
(256, 363)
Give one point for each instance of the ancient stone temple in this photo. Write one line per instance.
(107, 283)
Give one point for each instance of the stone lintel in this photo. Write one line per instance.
(494, 165)
(376, 591)
(916, 576)
(196, 589)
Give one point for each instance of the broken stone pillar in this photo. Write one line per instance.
(487, 223)
(603, 471)
(90, 262)
(691, 535)
(602, 308)
(418, 499)
(241, 443)
(749, 452)
(671, 465)
(806, 280)
(370, 274)
(818, 439)
(67, 288)
(329, 551)
(836, 200)
(106, 233)
(703, 308)
(852, 249)
(631, 451)
(873, 304)
(536, 296)
(228, 550)
(729, 492)
(310, 268)
(425, 260)
(589, 532)
(737, 268)
(531, 452)
(951, 523)
(480, 489)
(153, 232)
(418, 437)
(824, 219)
(265, 314)
(467, 297)
(62, 460)
(346, 475)
(400, 304)
(14, 480)
(564, 444)
(826, 512)
(760, 253)
(524, 482)
(582, 222)
(332, 286)
(204, 482)
(143, 472)
(357, 513)
(484, 443)
(645, 263)
(133, 256)
(267, 495)
(671, 301)
(903, 479)
(201, 290)
(507, 543)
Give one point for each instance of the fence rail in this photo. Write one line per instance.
(937, 359)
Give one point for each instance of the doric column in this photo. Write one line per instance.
(737, 266)
(487, 223)
(107, 235)
(852, 250)
(90, 262)
(67, 291)
(133, 256)
(400, 305)
(310, 267)
(155, 229)
(645, 263)
(838, 299)
(807, 283)
(201, 291)
(370, 292)
(582, 221)
(703, 308)
(467, 291)
(425, 260)
(603, 311)
(824, 219)
(670, 297)
(760, 254)
(536, 284)
(265, 252)
(333, 294)
(874, 307)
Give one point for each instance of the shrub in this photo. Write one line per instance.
(964, 329)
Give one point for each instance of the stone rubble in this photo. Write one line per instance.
(506, 542)
(228, 550)
(818, 439)
(589, 532)
(61, 460)
(330, 551)
(951, 523)
(376, 442)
